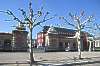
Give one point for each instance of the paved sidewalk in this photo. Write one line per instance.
(67, 62)
(51, 59)
(64, 62)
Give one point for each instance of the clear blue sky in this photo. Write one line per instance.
(59, 7)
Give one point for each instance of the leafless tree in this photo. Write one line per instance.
(31, 20)
(80, 22)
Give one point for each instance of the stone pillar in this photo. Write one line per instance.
(90, 45)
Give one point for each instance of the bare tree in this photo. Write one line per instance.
(80, 22)
(97, 30)
(98, 26)
(34, 19)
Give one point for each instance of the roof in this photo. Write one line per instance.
(59, 29)
(4, 33)
(45, 28)
(64, 30)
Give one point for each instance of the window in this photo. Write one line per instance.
(97, 43)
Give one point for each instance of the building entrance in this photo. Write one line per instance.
(61, 46)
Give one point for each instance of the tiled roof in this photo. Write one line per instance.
(64, 30)
(58, 29)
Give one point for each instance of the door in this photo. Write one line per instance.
(61, 46)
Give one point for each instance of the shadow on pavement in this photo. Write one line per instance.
(75, 63)
(55, 63)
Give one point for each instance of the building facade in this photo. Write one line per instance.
(5, 41)
(55, 38)
(19, 40)
(97, 44)
(15, 41)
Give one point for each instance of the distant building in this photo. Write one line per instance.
(55, 38)
(40, 39)
(19, 40)
(15, 41)
(5, 41)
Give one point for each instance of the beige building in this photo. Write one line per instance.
(55, 38)
(60, 40)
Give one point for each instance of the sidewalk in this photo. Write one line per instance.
(65, 62)
(71, 62)
(51, 59)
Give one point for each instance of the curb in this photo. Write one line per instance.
(64, 63)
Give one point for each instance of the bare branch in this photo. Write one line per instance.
(41, 8)
(68, 22)
(41, 26)
(39, 12)
(44, 20)
(23, 13)
(9, 13)
(14, 17)
(89, 19)
(82, 13)
(7, 20)
(72, 16)
(48, 19)
(45, 15)
(2, 11)
(98, 26)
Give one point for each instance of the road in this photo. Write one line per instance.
(12, 57)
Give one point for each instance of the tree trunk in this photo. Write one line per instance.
(79, 44)
(90, 46)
